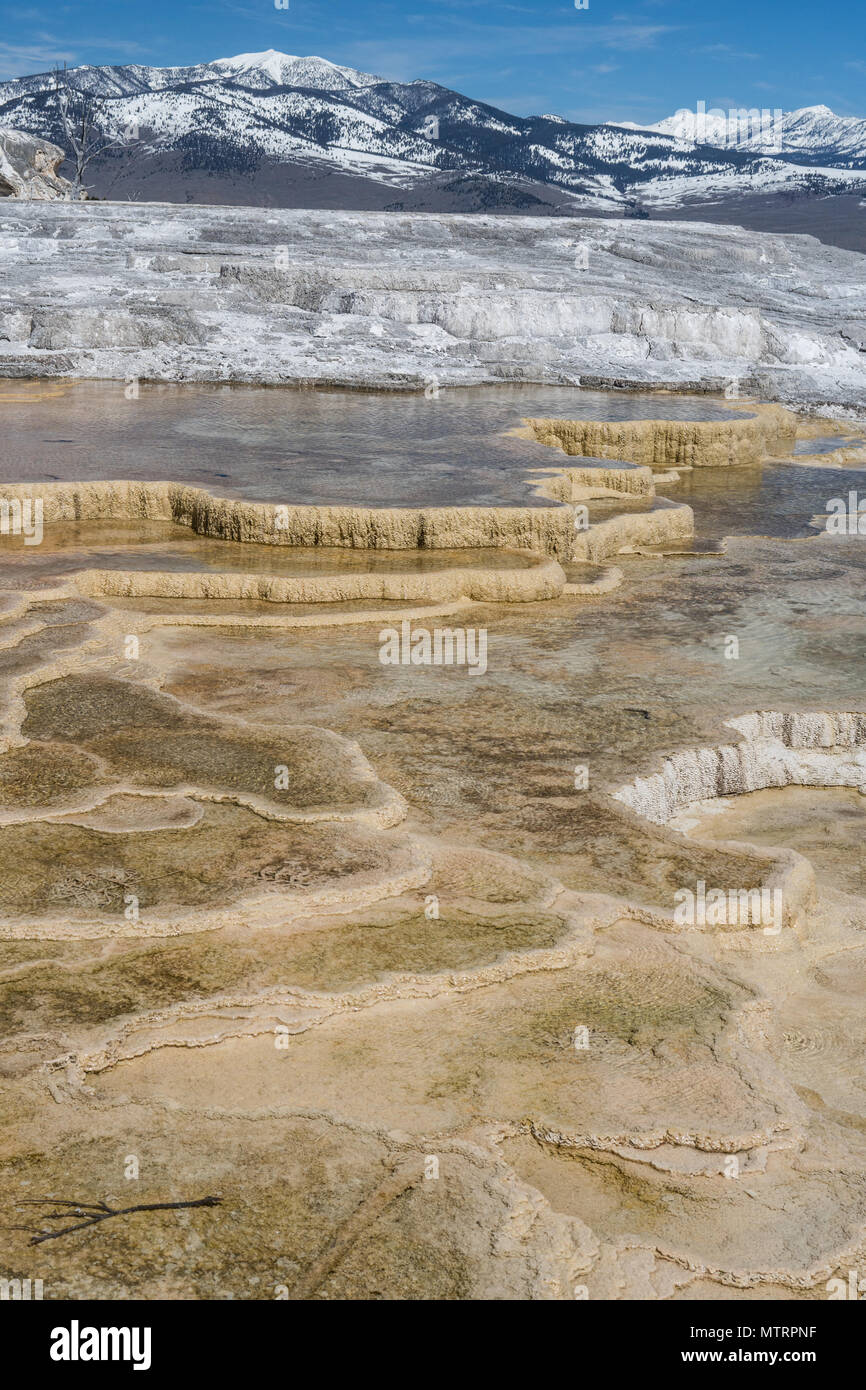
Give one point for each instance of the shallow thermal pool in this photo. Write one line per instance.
(68, 547)
(375, 449)
(826, 824)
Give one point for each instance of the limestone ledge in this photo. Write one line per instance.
(667, 521)
(544, 580)
(777, 749)
(628, 480)
(543, 530)
(668, 444)
(547, 530)
(815, 749)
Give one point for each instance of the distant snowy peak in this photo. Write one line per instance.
(278, 125)
(819, 128)
(285, 70)
(809, 131)
(259, 71)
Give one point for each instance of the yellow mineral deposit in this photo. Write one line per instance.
(451, 984)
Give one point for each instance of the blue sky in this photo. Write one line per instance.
(639, 60)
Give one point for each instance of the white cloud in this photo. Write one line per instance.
(20, 60)
(455, 41)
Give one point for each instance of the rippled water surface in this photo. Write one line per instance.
(309, 446)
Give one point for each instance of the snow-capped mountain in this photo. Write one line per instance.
(281, 70)
(811, 134)
(272, 128)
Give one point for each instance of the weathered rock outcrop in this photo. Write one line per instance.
(28, 168)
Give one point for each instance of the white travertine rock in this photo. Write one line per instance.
(814, 749)
(28, 167)
(192, 293)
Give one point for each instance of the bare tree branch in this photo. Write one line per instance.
(93, 1213)
(81, 115)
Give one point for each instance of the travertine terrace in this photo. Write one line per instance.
(247, 294)
(388, 954)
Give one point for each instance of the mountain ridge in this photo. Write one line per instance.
(807, 131)
(283, 129)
